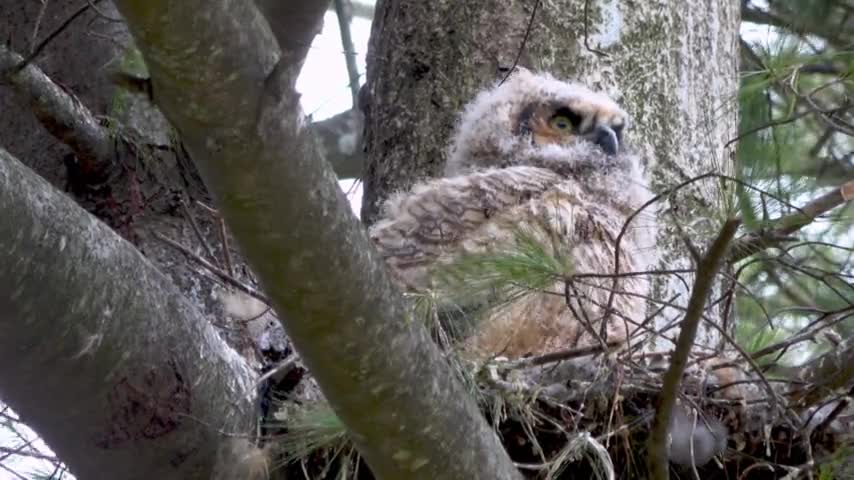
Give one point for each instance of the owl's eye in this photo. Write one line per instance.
(564, 120)
(560, 122)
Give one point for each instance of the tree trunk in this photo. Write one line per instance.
(672, 65)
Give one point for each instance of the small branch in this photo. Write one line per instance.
(804, 336)
(359, 10)
(833, 370)
(554, 357)
(223, 237)
(785, 226)
(44, 43)
(192, 219)
(343, 10)
(26, 453)
(224, 276)
(37, 25)
(707, 270)
(524, 42)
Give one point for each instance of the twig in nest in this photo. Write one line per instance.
(189, 215)
(225, 277)
(223, 237)
(554, 357)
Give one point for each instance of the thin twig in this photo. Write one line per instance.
(224, 276)
(586, 28)
(41, 46)
(223, 238)
(37, 26)
(20, 451)
(557, 356)
(707, 270)
(192, 219)
(343, 9)
(524, 42)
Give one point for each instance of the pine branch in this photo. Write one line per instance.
(785, 226)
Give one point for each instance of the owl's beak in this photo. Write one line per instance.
(606, 138)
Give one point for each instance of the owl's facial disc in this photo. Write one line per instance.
(567, 123)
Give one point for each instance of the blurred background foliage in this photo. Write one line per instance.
(796, 139)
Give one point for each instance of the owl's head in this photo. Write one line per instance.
(534, 115)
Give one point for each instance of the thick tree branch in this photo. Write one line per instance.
(61, 114)
(707, 270)
(219, 79)
(99, 353)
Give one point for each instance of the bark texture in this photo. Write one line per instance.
(79, 57)
(221, 81)
(672, 65)
(111, 149)
(100, 353)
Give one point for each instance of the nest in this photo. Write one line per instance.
(579, 414)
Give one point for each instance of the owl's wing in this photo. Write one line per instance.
(435, 217)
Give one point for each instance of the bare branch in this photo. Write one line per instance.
(343, 10)
(61, 114)
(831, 371)
(707, 270)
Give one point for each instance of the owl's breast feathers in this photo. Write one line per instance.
(442, 220)
(436, 217)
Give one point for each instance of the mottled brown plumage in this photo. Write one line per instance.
(543, 157)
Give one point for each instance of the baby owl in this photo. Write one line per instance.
(543, 157)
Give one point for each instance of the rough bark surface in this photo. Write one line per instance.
(100, 353)
(79, 57)
(220, 81)
(672, 65)
(110, 149)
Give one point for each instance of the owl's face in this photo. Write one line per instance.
(563, 123)
(532, 115)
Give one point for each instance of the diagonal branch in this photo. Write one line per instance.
(99, 352)
(61, 114)
(707, 269)
(220, 79)
(790, 224)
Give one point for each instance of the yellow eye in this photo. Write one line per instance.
(560, 122)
